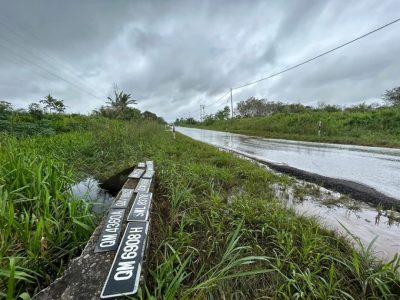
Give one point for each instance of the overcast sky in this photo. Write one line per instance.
(175, 55)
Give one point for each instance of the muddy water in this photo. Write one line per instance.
(90, 190)
(362, 223)
(348, 216)
(377, 167)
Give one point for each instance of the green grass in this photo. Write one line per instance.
(375, 127)
(221, 233)
(218, 230)
(42, 225)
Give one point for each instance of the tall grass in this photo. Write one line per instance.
(376, 127)
(42, 224)
(218, 231)
(222, 234)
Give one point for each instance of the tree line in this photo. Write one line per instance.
(119, 107)
(254, 107)
(116, 107)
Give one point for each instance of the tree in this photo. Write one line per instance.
(392, 97)
(362, 107)
(5, 108)
(183, 121)
(209, 119)
(253, 107)
(52, 104)
(104, 111)
(120, 103)
(328, 107)
(35, 110)
(223, 114)
(152, 116)
(132, 114)
(118, 108)
(149, 115)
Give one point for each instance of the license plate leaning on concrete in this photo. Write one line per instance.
(123, 278)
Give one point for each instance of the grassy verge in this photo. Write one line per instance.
(378, 127)
(221, 233)
(42, 224)
(218, 229)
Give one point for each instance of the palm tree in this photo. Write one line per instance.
(121, 102)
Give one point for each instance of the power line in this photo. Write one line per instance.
(219, 99)
(316, 57)
(46, 66)
(45, 59)
(14, 59)
(48, 71)
(209, 105)
(62, 66)
(306, 61)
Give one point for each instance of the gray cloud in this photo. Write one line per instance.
(176, 55)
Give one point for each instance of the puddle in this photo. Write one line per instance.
(342, 214)
(374, 167)
(90, 190)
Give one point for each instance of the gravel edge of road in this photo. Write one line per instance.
(353, 189)
(350, 188)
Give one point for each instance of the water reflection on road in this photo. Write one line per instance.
(376, 167)
(373, 166)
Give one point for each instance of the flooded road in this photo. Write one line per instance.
(360, 221)
(376, 167)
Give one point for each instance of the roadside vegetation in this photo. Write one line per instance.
(363, 124)
(219, 232)
(42, 153)
(218, 229)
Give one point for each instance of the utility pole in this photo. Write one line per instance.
(231, 105)
(202, 112)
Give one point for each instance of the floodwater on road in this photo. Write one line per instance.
(372, 166)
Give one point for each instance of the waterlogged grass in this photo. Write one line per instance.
(377, 127)
(219, 233)
(217, 229)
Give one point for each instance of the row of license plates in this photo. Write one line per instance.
(124, 275)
